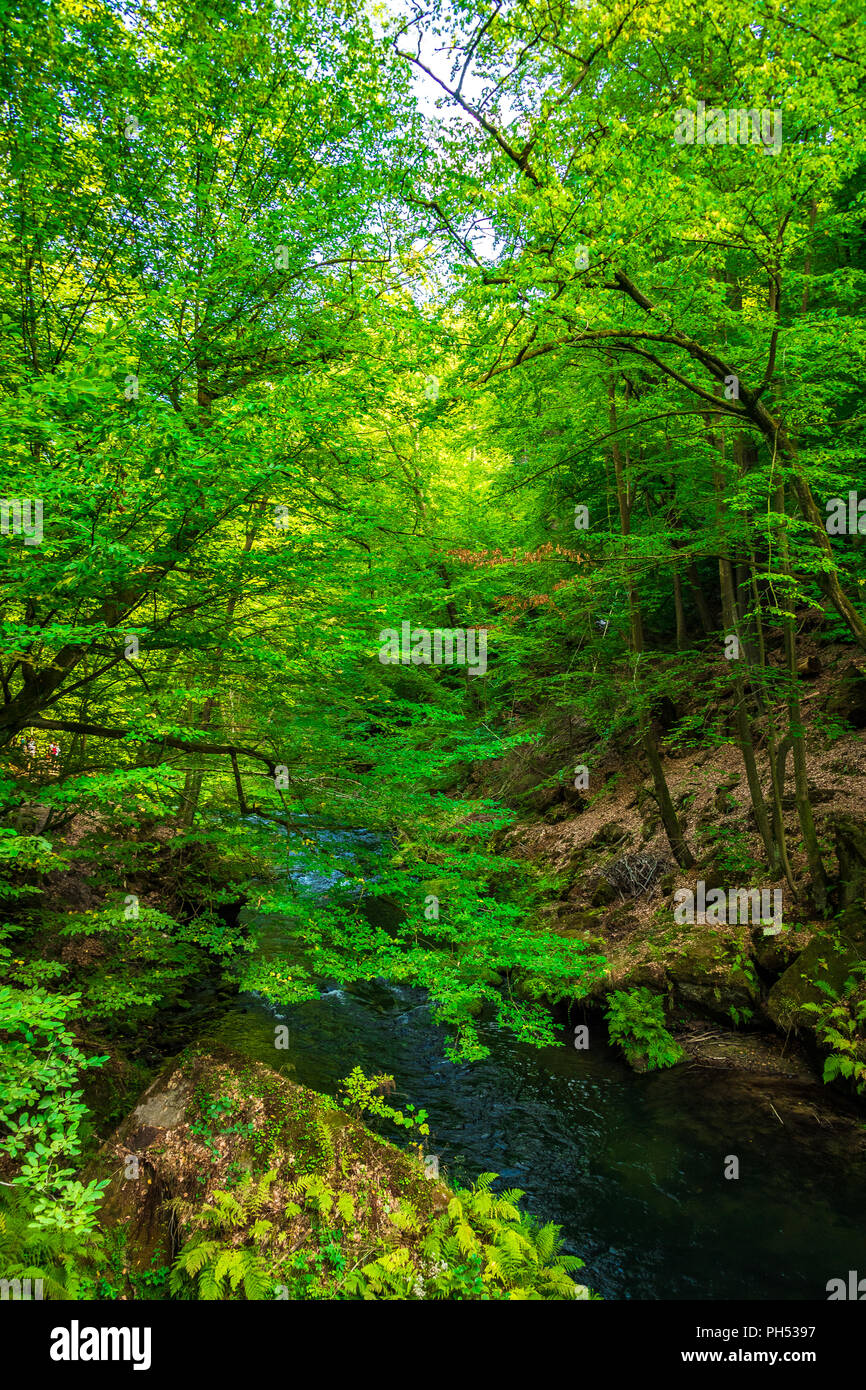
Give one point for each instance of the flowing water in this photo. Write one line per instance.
(630, 1166)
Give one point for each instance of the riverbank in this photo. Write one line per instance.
(229, 1180)
(781, 997)
(631, 1166)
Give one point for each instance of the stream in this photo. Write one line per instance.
(630, 1166)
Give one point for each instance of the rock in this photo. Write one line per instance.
(817, 795)
(665, 714)
(712, 877)
(849, 696)
(749, 1052)
(136, 1203)
(555, 801)
(822, 960)
(705, 977)
(602, 893)
(850, 843)
(648, 972)
(30, 817)
(210, 1118)
(436, 888)
(774, 953)
(649, 810)
(610, 836)
(571, 921)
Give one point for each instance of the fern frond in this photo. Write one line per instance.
(546, 1242)
(209, 1291)
(257, 1284)
(466, 1238)
(228, 1262)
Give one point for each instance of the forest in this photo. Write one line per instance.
(432, 650)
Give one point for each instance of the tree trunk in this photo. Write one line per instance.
(732, 628)
(670, 820)
(682, 635)
(796, 733)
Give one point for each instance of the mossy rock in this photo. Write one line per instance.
(646, 972)
(850, 842)
(848, 697)
(600, 892)
(210, 1119)
(577, 922)
(822, 960)
(774, 952)
(436, 887)
(612, 835)
(704, 976)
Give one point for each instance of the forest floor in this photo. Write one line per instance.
(736, 995)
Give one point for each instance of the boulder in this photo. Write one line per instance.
(849, 696)
(850, 844)
(704, 976)
(774, 952)
(601, 892)
(824, 961)
(211, 1118)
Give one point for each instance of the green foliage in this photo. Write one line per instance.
(740, 1016)
(115, 1277)
(482, 933)
(362, 1095)
(482, 1247)
(832, 726)
(210, 1266)
(635, 1020)
(214, 357)
(731, 852)
(840, 1024)
(41, 1111)
(62, 1255)
(145, 961)
(742, 961)
(216, 1113)
(22, 855)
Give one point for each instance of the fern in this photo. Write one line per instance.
(635, 1020)
(216, 1270)
(65, 1260)
(480, 1247)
